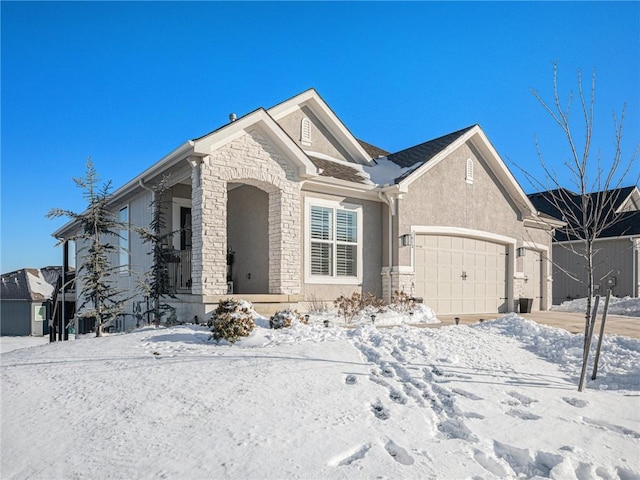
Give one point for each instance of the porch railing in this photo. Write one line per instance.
(180, 270)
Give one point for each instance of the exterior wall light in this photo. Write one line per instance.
(406, 240)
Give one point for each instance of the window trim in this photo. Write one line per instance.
(332, 279)
(124, 241)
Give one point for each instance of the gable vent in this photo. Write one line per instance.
(469, 171)
(305, 132)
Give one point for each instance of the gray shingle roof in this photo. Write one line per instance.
(626, 223)
(372, 150)
(16, 285)
(338, 170)
(424, 152)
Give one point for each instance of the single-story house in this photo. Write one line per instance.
(616, 257)
(25, 301)
(284, 205)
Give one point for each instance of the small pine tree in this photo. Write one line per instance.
(100, 298)
(157, 285)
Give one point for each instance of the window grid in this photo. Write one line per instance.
(334, 254)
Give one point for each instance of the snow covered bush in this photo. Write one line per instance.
(232, 319)
(286, 318)
(358, 303)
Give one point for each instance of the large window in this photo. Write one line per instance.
(123, 240)
(334, 242)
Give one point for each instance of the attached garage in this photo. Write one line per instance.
(457, 274)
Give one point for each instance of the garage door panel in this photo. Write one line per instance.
(449, 290)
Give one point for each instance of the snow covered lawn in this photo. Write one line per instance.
(627, 306)
(495, 400)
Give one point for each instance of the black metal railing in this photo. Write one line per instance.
(180, 270)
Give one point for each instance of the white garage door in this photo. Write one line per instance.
(461, 275)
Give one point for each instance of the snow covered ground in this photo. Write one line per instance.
(493, 400)
(627, 306)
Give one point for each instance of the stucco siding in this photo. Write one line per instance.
(442, 197)
(321, 139)
(444, 200)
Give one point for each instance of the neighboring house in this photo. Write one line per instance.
(616, 259)
(285, 205)
(25, 301)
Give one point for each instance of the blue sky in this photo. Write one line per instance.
(125, 83)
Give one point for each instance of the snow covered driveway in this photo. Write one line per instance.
(496, 400)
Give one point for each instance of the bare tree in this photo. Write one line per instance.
(97, 225)
(588, 206)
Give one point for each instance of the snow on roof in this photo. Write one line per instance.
(384, 172)
(38, 285)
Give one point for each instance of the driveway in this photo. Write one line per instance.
(573, 322)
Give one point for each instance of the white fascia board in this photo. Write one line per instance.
(632, 199)
(330, 186)
(179, 154)
(480, 141)
(548, 223)
(329, 119)
(263, 122)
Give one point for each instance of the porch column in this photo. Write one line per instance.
(209, 229)
(284, 240)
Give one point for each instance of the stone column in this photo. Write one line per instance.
(209, 227)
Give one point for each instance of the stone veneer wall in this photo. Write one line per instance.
(401, 282)
(251, 160)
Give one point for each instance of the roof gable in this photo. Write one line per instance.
(421, 158)
(321, 110)
(261, 120)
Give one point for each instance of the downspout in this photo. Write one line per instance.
(391, 203)
(635, 253)
(149, 189)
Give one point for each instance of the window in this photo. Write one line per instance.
(334, 234)
(39, 313)
(469, 171)
(305, 131)
(123, 240)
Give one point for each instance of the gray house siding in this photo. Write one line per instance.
(614, 261)
(15, 318)
(22, 317)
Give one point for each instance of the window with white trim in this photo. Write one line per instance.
(335, 239)
(305, 131)
(469, 171)
(123, 240)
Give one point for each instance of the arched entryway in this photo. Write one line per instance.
(247, 239)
